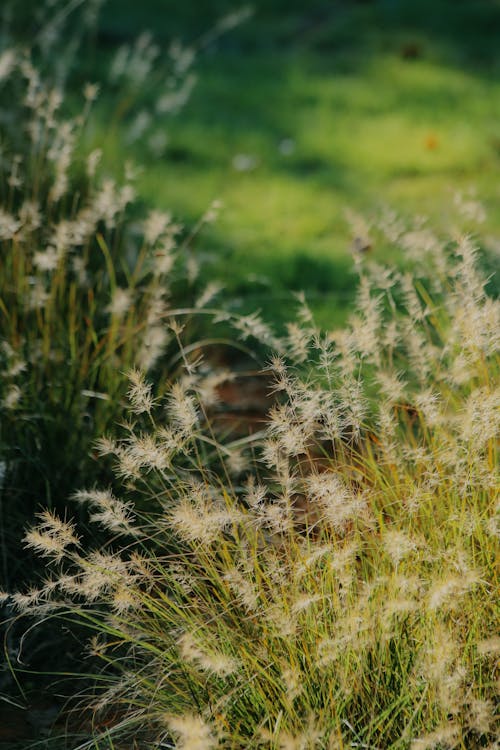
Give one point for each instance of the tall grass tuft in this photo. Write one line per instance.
(87, 278)
(330, 584)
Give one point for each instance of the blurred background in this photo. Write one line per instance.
(297, 114)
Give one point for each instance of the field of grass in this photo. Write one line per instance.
(249, 518)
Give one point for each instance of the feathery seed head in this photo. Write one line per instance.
(52, 536)
(192, 732)
(139, 393)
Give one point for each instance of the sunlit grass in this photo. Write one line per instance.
(328, 581)
(381, 446)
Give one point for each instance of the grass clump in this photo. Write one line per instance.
(88, 278)
(330, 583)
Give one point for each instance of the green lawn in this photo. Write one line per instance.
(379, 103)
(333, 105)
